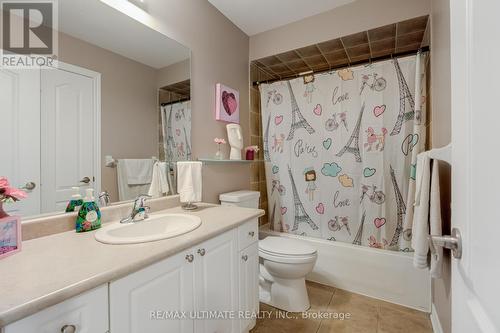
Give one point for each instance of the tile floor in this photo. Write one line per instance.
(367, 315)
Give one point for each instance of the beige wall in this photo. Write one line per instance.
(441, 136)
(219, 53)
(358, 16)
(129, 104)
(177, 72)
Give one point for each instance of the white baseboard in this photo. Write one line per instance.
(436, 324)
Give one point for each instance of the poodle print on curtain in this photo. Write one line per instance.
(340, 150)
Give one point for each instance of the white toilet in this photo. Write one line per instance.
(284, 262)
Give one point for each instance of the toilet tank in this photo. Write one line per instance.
(248, 199)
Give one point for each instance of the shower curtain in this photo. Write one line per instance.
(340, 152)
(176, 129)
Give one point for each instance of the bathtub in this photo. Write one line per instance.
(382, 274)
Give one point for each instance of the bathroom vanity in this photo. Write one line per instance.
(203, 281)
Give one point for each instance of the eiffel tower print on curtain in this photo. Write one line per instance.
(188, 146)
(404, 94)
(170, 137)
(300, 213)
(401, 210)
(298, 120)
(265, 140)
(352, 146)
(359, 234)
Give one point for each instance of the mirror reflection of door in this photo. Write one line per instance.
(20, 118)
(69, 140)
(53, 142)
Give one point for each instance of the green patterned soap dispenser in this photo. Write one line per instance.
(89, 215)
(76, 200)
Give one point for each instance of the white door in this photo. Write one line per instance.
(69, 137)
(216, 285)
(20, 119)
(249, 286)
(143, 301)
(475, 46)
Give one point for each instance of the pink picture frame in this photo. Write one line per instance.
(227, 104)
(10, 236)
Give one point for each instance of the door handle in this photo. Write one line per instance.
(85, 180)
(452, 242)
(29, 186)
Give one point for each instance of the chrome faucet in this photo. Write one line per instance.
(103, 199)
(139, 210)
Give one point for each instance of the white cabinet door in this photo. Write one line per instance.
(249, 286)
(143, 301)
(69, 135)
(20, 119)
(216, 282)
(88, 313)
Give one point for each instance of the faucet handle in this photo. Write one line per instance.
(141, 198)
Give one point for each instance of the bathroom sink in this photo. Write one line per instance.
(156, 227)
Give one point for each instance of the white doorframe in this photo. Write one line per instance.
(96, 84)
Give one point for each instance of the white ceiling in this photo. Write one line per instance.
(254, 16)
(101, 25)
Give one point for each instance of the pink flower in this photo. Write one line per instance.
(7, 192)
(15, 193)
(4, 182)
(220, 141)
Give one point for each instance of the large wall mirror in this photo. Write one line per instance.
(114, 112)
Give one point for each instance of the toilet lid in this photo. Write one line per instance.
(285, 246)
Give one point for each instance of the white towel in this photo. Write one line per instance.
(420, 228)
(189, 181)
(427, 215)
(139, 171)
(435, 221)
(126, 191)
(159, 184)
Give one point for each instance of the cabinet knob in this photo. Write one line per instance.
(201, 252)
(251, 233)
(244, 257)
(68, 329)
(189, 258)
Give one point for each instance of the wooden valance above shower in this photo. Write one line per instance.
(390, 40)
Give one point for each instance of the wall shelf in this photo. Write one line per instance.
(214, 160)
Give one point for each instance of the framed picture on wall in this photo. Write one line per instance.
(227, 104)
(10, 235)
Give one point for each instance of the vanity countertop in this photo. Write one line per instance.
(54, 268)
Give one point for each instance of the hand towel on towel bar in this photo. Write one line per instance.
(427, 215)
(189, 181)
(159, 184)
(139, 171)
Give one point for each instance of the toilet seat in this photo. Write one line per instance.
(286, 250)
(287, 259)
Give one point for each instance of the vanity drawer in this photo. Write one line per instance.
(248, 233)
(87, 312)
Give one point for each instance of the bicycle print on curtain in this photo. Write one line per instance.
(340, 150)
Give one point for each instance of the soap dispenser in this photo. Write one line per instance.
(89, 215)
(76, 200)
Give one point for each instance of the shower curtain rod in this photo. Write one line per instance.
(177, 101)
(371, 60)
